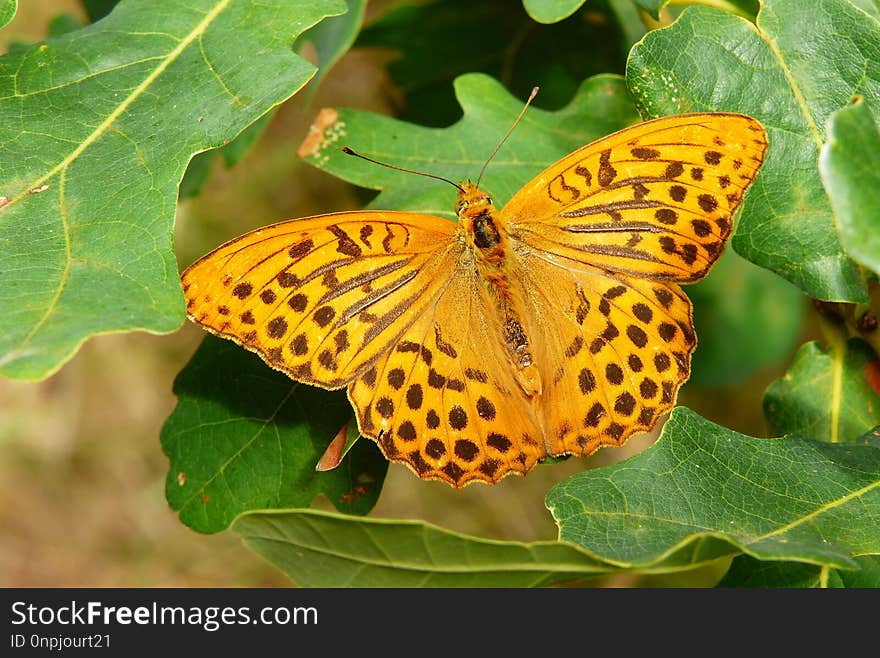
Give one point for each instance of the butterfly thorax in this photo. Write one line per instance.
(477, 217)
(489, 244)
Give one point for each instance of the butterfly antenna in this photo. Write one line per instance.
(504, 139)
(348, 151)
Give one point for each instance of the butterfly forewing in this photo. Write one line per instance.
(655, 200)
(322, 297)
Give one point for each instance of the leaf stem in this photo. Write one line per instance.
(652, 23)
(835, 337)
(859, 320)
(823, 577)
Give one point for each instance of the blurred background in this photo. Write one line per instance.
(82, 473)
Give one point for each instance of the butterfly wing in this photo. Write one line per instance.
(443, 401)
(655, 200)
(613, 352)
(323, 297)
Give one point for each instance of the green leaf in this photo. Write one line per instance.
(850, 166)
(62, 24)
(246, 437)
(785, 73)
(825, 394)
(7, 11)
(551, 11)
(321, 549)
(331, 39)
(703, 491)
(97, 9)
(746, 571)
(745, 317)
(94, 146)
(501, 41)
(601, 106)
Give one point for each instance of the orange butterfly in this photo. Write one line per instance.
(472, 350)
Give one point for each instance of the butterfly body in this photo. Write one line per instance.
(473, 349)
(492, 250)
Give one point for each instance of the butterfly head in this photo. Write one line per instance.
(472, 202)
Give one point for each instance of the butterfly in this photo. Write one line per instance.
(473, 349)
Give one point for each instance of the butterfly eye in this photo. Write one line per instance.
(489, 200)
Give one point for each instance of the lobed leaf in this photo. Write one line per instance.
(246, 437)
(850, 167)
(601, 106)
(96, 129)
(825, 394)
(703, 492)
(790, 71)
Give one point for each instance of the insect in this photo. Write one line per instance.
(473, 349)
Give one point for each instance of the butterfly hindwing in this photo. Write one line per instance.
(655, 200)
(320, 298)
(619, 350)
(443, 402)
